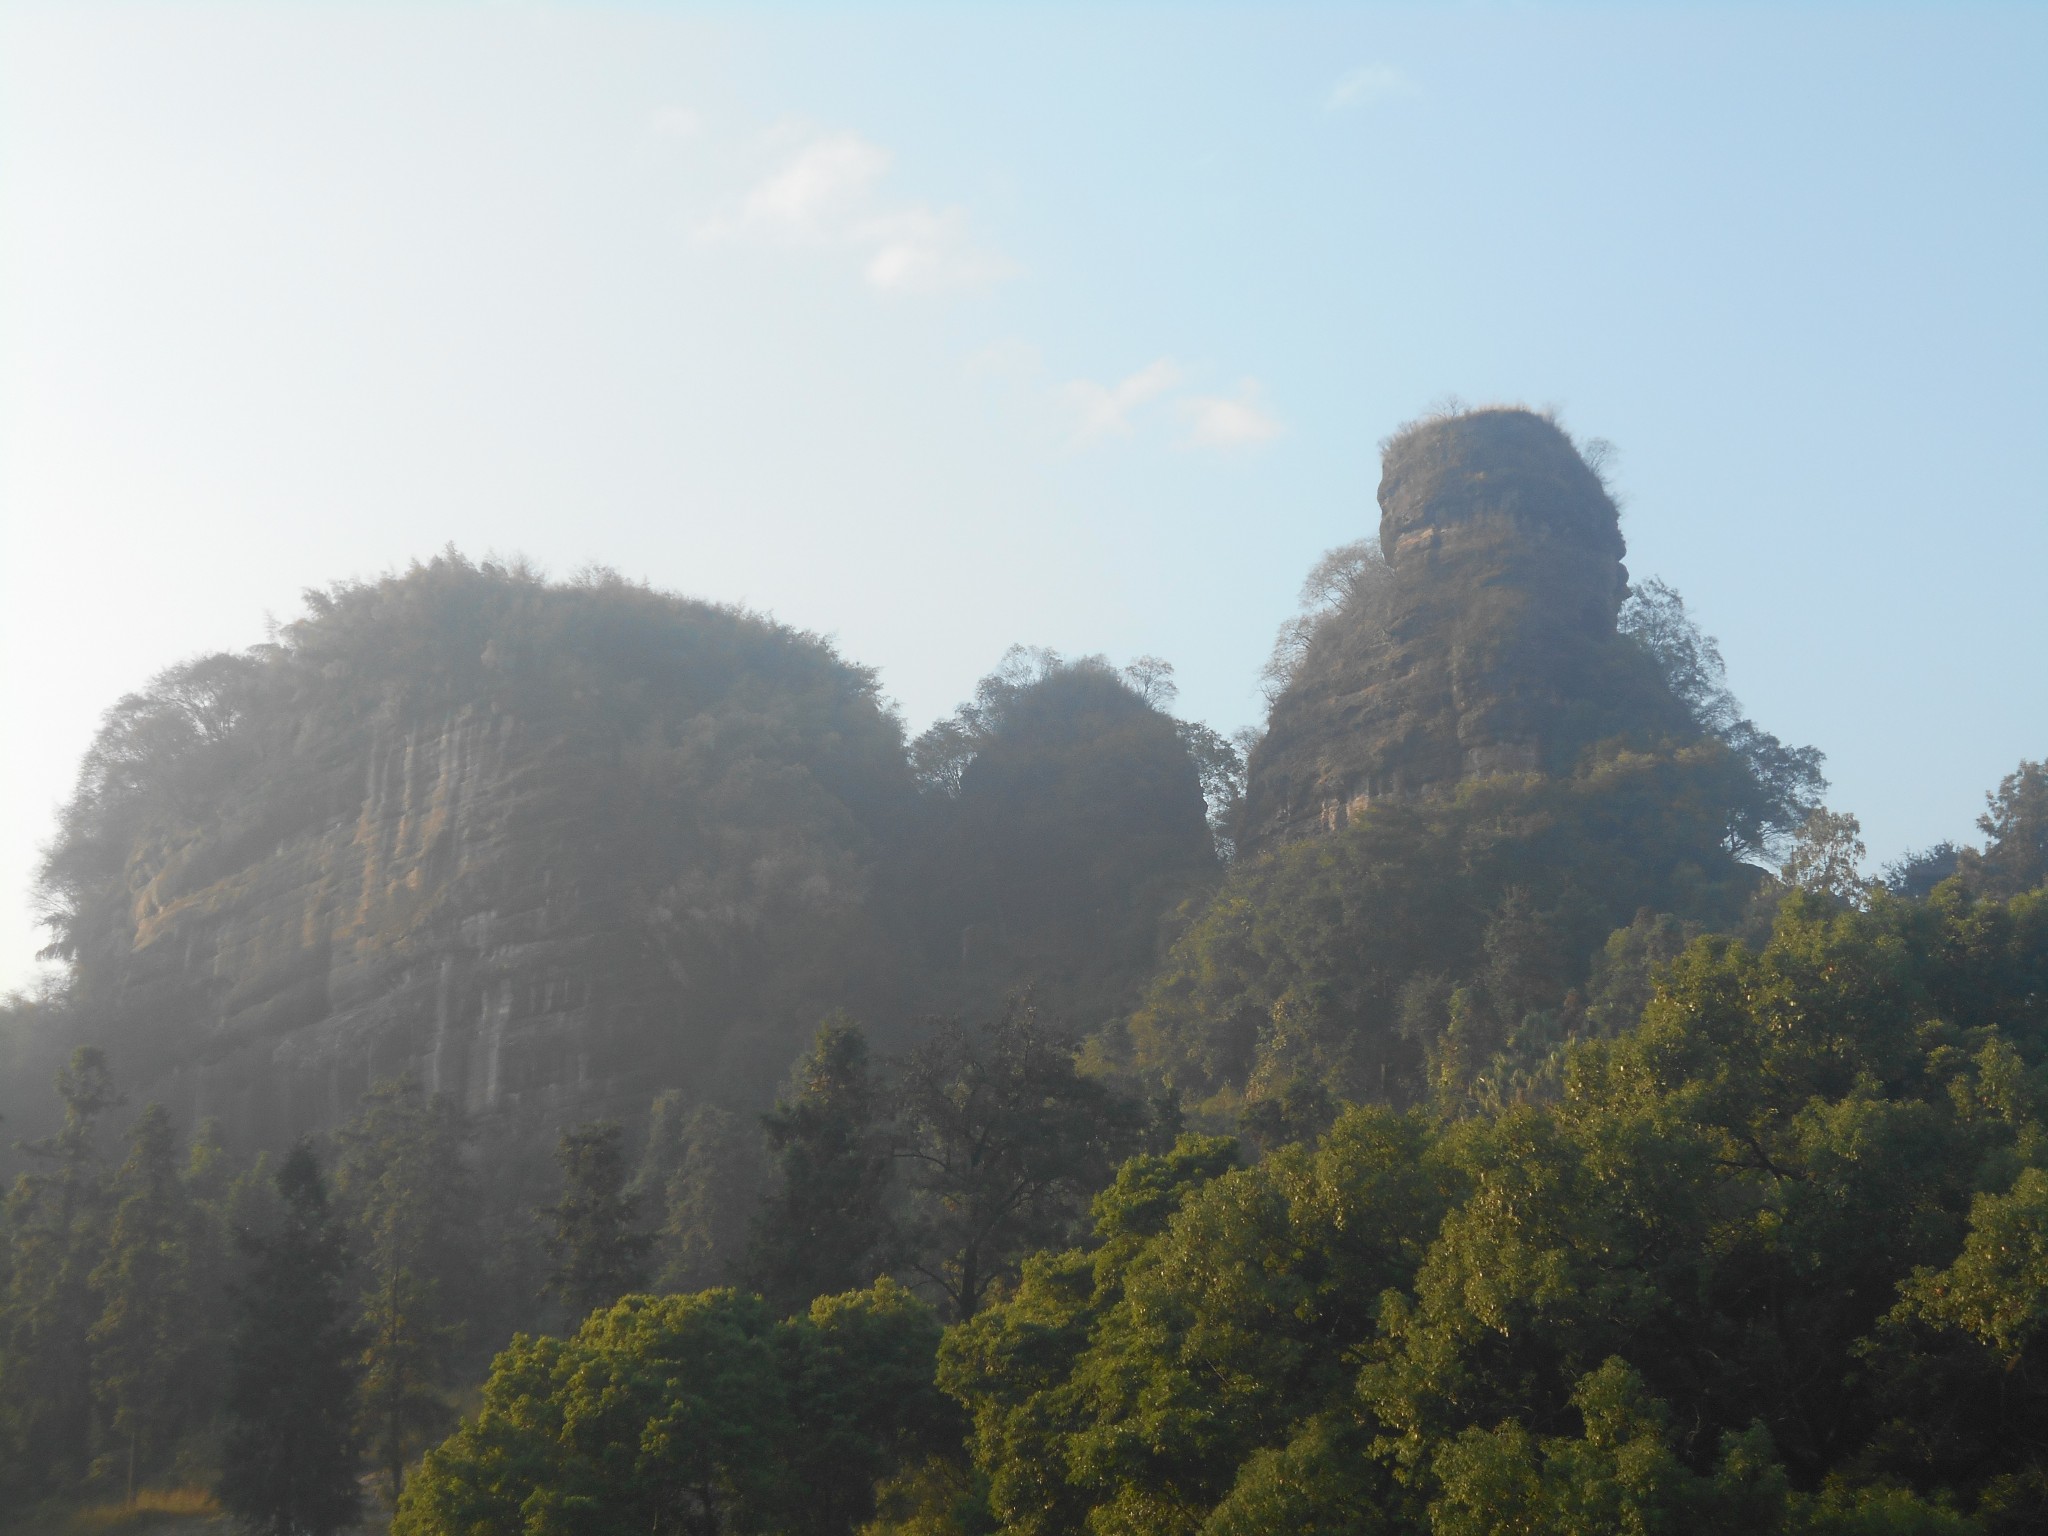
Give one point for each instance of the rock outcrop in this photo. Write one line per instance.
(1485, 643)
(548, 849)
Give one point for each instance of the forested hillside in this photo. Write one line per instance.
(549, 1057)
(1486, 756)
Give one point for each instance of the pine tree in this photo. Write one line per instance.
(57, 1216)
(824, 1228)
(598, 1250)
(413, 1213)
(222, 1197)
(289, 1464)
(704, 1170)
(143, 1341)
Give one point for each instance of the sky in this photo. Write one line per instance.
(937, 330)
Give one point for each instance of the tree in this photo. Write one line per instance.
(1784, 784)
(598, 1251)
(1213, 1318)
(659, 1415)
(825, 1226)
(862, 1404)
(289, 1464)
(1827, 857)
(223, 1197)
(695, 1415)
(144, 1341)
(407, 1192)
(1773, 1261)
(1338, 959)
(2015, 828)
(1220, 760)
(1002, 1140)
(1351, 577)
(56, 1214)
(705, 1169)
(1915, 873)
(1065, 818)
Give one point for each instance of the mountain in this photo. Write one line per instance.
(556, 848)
(1480, 640)
(543, 847)
(1498, 785)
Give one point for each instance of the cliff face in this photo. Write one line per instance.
(1485, 645)
(546, 849)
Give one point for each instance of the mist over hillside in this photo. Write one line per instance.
(1490, 1093)
(553, 848)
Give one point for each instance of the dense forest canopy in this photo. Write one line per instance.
(555, 1057)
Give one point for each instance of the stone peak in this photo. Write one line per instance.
(1497, 463)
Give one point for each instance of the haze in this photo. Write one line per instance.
(938, 332)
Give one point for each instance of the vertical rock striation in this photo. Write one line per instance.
(548, 849)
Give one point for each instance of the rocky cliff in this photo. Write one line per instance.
(545, 848)
(1483, 642)
(1498, 786)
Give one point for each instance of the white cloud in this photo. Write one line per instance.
(826, 195)
(923, 250)
(1368, 86)
(1219, 421)
(817, 191)
(1105, 409)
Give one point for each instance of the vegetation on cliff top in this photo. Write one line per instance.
(653, 840)
(1555, 1165)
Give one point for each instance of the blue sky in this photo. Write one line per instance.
(939, 329)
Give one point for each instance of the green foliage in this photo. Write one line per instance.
(1001, 1140)
(704, 1168)
(1211, 1324)
(56, 1216)
(858, 1372)
(825, 1226)
(411, 1214)
(1827, 856)
(949, 1165)
(1341, 960)
(1067, 818)
(1783, 785)
(289, 1465)
(1996, 1291)
(145, 1350)
(1619, 1475)
(1589, 1181)
(1773, 1260)
(2015, 827)
(598, 1251)
(692, 1414)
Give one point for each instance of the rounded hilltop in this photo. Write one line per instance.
(1482, 467)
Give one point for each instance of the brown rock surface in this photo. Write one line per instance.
(1486, 645)
(548, 849)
